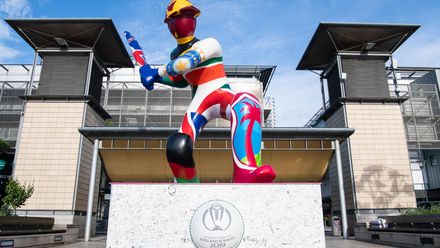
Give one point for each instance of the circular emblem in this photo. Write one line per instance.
(217, 224)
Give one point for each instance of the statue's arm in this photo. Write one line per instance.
(174, 81)
(197, 54)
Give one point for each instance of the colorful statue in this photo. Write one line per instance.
(199, 64)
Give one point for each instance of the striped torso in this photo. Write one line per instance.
(199, 64)
(211, 69)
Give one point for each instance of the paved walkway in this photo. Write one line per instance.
(332, 242)
(337, 242)
(95, 242)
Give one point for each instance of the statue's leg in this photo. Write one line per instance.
(203, 108)
(180, 158)
(246, 127)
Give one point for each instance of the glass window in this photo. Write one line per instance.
(433, 160)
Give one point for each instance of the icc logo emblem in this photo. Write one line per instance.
(217, 224)
(217, 217)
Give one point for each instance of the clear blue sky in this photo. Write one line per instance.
(271, 32)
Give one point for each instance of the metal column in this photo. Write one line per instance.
(107, 88)
(120, 106)
(31, 79)
(324, 107)
(170, 124)
(91, 191)
(146, 108)
(341, 190)
(89, 73)
(393, 70)
(341, 80)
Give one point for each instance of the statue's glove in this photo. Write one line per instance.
(149, 76)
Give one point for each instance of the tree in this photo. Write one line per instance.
(17, 194)
(5, 211)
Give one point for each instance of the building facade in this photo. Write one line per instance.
(351, 59)
(421, 116)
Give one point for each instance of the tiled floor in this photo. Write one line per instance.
(332, 242)
(95, 242)
(337, 242)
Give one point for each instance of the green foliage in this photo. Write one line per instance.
(434, 209)
(16, 194)
(5, 211)
(108, 122)
(4, 146)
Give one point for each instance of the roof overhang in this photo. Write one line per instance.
(99, 35)
(293, 133)
(139, 154)
(367, 38)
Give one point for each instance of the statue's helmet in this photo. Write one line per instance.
(181, 19)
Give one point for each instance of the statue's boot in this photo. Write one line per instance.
(262, 174)
(246, 123)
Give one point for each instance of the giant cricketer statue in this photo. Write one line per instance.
(199, 64)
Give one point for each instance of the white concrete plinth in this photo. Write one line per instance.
(159, 215)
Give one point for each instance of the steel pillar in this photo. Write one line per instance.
(91, 191)
(341, 190)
